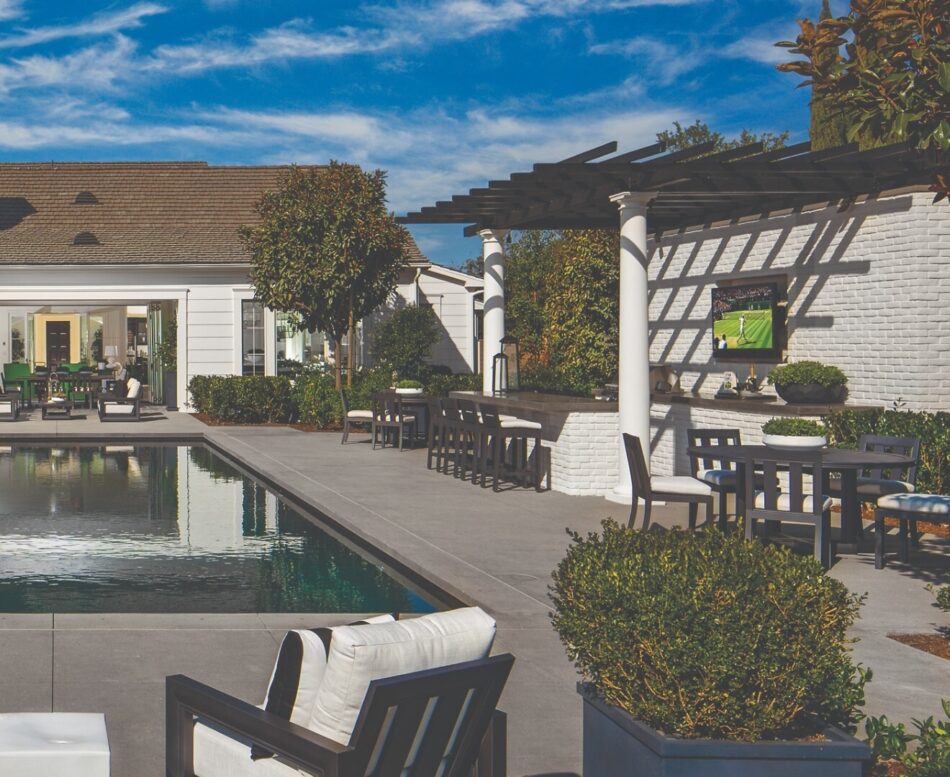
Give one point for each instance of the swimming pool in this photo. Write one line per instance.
(170, 528)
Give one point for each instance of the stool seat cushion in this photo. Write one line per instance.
(360, 414)
(680, 484)
(925, 504)
(54, 743)
(872, 488)
(519, 423)
(360, 654)
(784, 502)
(719, 477)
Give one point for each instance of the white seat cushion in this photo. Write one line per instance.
(518, 423)
(404, 418)
(875, 487)
(114, 408)
(6, 406)
(134, 386)
(718, 477)
(784, 502)
(680, 484)
(220, 754)
(53, 743)
(364, 414)
(361, 654)
(926, 504)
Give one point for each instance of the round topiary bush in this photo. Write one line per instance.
(704, 634)
(809, 382)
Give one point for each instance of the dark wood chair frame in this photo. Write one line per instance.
(642, 488)
(799, 466)
(451, 429)
(713, 437)
(452, 709)
(348, 422)
(388, 416)
(13, 397)
(499, 442)
(436, 431)
(906, 528)
(469, 439)
(135, 415)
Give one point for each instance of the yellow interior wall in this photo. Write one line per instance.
(39, 335)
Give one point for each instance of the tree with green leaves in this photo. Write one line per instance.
(530, 263)
(829, 127)
(680, 138)
(887, 65)
(583, 306)
(404, 341)
(326, 250)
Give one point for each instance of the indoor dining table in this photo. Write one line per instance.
(846, 461)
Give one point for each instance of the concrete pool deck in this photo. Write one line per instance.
(496, 550)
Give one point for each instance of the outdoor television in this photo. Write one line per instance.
(747, 322)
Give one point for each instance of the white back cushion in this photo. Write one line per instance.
(134, 388)
(360, 654)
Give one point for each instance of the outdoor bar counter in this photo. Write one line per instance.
(581, 434)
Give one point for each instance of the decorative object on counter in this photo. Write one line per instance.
(664, 380)
(794, 434)
(728, 389)
(505, 368)
(661, 626)
(809, 383)
(409, 387)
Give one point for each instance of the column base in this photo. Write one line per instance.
(621, 494)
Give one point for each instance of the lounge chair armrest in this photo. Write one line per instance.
(185, 698)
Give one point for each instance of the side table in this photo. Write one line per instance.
(56, 409)
(50, 744)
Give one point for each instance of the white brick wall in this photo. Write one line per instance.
(584, 456)
(868, 291)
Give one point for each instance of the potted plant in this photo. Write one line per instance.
(705, 654)
(809, 382)
(408, 387)
(794, 434)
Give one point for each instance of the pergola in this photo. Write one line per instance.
(657, 192)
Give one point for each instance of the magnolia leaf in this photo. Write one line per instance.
(943, 76)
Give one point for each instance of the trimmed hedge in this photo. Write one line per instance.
(933, 430)
(703, 634)
(243, 399)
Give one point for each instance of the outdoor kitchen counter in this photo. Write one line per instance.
(520, 401)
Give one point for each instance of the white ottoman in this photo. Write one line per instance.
(53, 744)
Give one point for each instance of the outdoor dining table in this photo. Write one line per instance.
(846, 461)
(417, 405)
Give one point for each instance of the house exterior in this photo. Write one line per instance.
(105, 261)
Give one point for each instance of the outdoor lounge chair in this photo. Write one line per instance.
(430, 720)
(9, 403)
(665, 488)
(353, 417)
(127, 408)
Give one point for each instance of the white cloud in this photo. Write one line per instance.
(10, 9)
(661, 59)
(96, 68)
(97, 25)
(760, 48)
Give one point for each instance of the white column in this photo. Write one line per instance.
(493, 328)
(633, 372)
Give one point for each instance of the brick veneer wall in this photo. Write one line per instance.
(584, 457)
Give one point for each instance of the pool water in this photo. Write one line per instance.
(167, 528)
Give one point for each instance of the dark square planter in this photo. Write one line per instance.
(617, 745)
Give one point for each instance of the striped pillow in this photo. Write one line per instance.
(298, 672)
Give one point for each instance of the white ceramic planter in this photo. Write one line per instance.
(786, 442)
(409, 391)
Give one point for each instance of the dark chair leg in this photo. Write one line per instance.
(346, 431)
(749, 528)
(709, 512)
(632, 520)
(723, 508)
(647, 507)
(904, 540)
(538, 452)
(879, 539)
(693, 514)
(373, 431)
(823, 540)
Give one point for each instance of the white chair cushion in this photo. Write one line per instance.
(519, 423)
(718, 477)
(404, 418)
(680, 484)
(926, 504)
(114, 408)
(6, 406)
(134, 386)
(784, 502)
(218, 753)
(361, 654)
(365, 414)
(881, 487)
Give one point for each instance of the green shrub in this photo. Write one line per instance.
(703, 634)
(403, 342)
(317, 400)
(367, 383)
(408, 384)
(932, 429)
(806, 372)
(244, 399)
(439, 384)
(793, 427)
(549, 380)
(930, 757)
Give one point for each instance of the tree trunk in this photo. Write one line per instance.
(350, 337)
(338, 361)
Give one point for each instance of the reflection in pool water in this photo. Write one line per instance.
(149, 528)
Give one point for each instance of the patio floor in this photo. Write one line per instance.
(496, 550)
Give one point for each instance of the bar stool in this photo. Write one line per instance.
(468, 440)
(498, 432)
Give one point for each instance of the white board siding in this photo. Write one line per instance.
(453, 306)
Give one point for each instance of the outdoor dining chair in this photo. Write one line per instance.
(803, 502)
(362, 418)
(665, 488)
(388, 417)
(719, 474)
(907, 509)
(436, 432)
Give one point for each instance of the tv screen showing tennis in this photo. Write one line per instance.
(743, 318)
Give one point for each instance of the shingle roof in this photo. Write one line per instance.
(144, 212)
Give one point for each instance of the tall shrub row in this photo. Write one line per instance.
(932, 429)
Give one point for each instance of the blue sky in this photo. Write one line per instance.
(444, 94)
